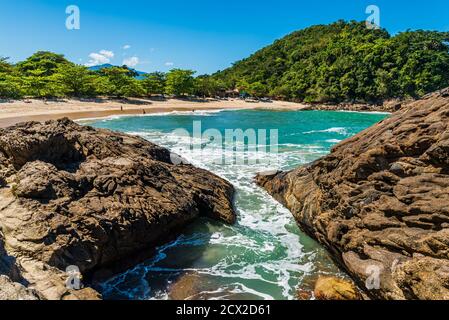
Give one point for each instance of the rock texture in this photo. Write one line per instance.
(380, 202)
(386, 106)
(331, 288)
(76, 196)
(10, 290)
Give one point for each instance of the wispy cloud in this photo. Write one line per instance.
(102, 57)
(169, 64)
(126, 47)
(131, 62)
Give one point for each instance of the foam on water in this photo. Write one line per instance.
(341, 131)
(198, 113)
(265, 255)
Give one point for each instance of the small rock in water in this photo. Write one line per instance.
(201, 287)
(186, 287)
(302, 294)
(195, 286)
(331, 288)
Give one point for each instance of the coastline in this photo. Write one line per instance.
(15, 112)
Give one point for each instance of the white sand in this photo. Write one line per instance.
(38, 110)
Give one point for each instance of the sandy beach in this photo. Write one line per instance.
(13, 112)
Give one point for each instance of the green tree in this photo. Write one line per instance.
(154, 83)
(121, 83)
(258, 89)
(5, 66)
(77, 80)
(206, 86)
(46, 62)
(345, 61)
(37, 85)
(10, 83)
(180, 82)
(10, 87)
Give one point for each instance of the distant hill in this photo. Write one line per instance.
(107, 65)
(345, 62)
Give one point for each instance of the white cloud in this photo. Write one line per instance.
(108, 54)
(126, 47)
(102, 57)
(169, 64)
(131, 62)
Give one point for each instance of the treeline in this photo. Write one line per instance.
(50, 75)
(345, 62)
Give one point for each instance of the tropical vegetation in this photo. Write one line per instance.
(340, 62)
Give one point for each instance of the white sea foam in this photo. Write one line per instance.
(203, 113)
(366, 112)
(339, 130)
(333, 141)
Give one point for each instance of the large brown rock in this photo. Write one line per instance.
(380, 202)
(76, 196)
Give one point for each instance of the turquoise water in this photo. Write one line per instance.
(265, 255)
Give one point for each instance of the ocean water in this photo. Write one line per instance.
(265, 255)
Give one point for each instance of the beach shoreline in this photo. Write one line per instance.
(13, 112)
(17, 111)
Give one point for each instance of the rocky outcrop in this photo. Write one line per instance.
(76, 196)
(380, 202)
(386, 106)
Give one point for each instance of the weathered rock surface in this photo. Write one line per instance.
(380, 202)
(10, 290)
(331, 288)
(76, 196)
(201, 287)
(386, 106)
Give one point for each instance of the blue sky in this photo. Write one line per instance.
(204, 35)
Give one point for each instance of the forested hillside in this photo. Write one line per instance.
(340, 62)
(345, 61)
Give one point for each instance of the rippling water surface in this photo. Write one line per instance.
(265, 255)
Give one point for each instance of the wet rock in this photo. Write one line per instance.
(331, 288)
(77, 196)
(379, 202)
(302, 294)
(201, 287)
(187, 287)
